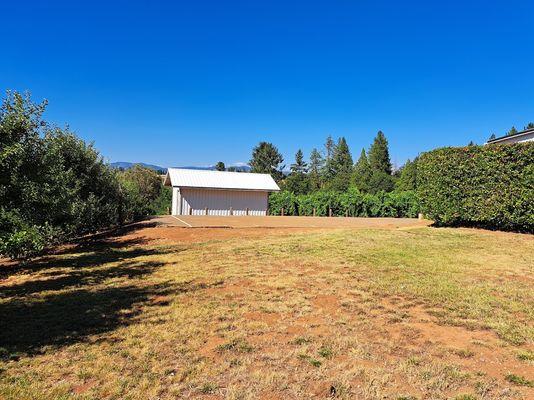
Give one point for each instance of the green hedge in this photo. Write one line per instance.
(352, 202)
(482, 186)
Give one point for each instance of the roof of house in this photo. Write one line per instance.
(220, 180)
(505, 137)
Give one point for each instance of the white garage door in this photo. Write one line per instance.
(222, 202)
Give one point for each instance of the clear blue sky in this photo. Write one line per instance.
(191, 83)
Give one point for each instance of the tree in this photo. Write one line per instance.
(379, 154)
(341, 166)
(266, 159)
(316, 166)
(300, 165)
(328, 172)
(341, 158)
(381, 182)
(471, 143)
(408, 176)
(512, 131)
(220, 166)
(298, 182)
(362, 173)
(530, 125)
(54, 186)
(147, 181)
(491, 137)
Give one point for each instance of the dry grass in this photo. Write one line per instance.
(396, 314)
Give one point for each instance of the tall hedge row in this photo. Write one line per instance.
(352, 202)
(483, 186)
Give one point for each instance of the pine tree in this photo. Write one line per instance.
(328, 171)
(341, 166)
(408, 176)
(379, 154)
(316, 166)
(300, 165)
(530, 125)
(266, 159)
(220, 166)
(362, 173)
(491, 137)
(341, 158)
(512, 131)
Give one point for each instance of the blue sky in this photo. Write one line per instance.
(191, 83)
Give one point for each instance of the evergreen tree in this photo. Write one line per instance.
(362, 173)
(512, 131)
(220, 166)
(329, 147)
(408, 176)
(491, 137)
(316, 166)
(328, 171)
(298, 182)
(530, 125)
(379, 154)
(341, 158)
(266, 159)
(300, 165)
(341, 166)
(471, 143)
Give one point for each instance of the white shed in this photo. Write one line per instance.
(200, 192)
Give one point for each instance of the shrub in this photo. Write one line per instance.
(483, 186)
(22, 243)
(54, 186)
(352, 203)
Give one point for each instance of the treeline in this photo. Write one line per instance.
(54, 186)
(369, 187)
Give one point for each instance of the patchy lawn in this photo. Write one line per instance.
(165, 313)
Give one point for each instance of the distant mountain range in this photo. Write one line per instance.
(163, 170)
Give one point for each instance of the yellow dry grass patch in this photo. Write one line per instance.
(419, 313)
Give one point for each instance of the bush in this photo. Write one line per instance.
(483, 186)
(22, 243)
(352, 203)
(56, 187)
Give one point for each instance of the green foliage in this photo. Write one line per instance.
(220, 166)
(266, 159)
(22, 243)
(299, 165)
(407, 176)
(379, 154)
(484, 186)
(530, 125)
(54, 186)
(297, 183)
(361, 176)
(340, 168)
(519, 380)
(161, 205)
(147, 185)
(512, 131)
(352, 203)
(314, 172)
(381, 181)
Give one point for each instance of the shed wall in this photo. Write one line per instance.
(190, 201)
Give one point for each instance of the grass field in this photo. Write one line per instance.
(165, 313)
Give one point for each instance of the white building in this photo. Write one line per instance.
(519, 137)
(200, 192)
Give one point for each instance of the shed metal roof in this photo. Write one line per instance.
(220, 180)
